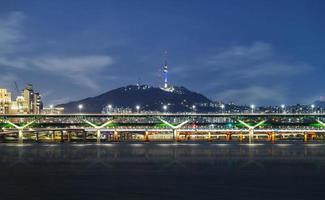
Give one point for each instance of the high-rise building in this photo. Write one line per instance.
(5, 101)
(29, 103)
(33, 99)
(19, 106)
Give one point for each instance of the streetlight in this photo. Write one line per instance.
(283, 106)
(165, 108)
(312, 107)
(193, 107)
(109, 106)
(252, 107)
(80, 107)
(51, 108)
(222, 107)
(137, 107)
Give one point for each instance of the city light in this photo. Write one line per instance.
(165, 108)
(80, 107)
(312, 107)
(283, 107)
(51, 108)
(252, 107)
(222, 107)
(109, 107)
(137, 107)
(28, 101)
(150, 100)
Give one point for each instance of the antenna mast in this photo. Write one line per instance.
(165, 71)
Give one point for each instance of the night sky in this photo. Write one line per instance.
(261, 52)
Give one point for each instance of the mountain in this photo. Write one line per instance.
(320, 103)
(149, 98)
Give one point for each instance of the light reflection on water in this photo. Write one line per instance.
(80, 145)
(136, 145)
(222, 145)
(105, 144)
(15, 144)
(162, 170)
(282, 145)
(131, 152)
(314, 145)
(252, 145)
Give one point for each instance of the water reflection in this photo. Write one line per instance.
(184, 153)
(161, 171)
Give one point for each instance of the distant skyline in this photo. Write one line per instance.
(249, 52)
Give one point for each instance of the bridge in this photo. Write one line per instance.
(150, 127)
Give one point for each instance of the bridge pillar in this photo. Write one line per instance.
(115, 136)
(20, 136)
(174, 128)
(189, 136)
(175, 137)
(251, 136)
(84, 136)
(98, 135)
(98, 128)
(228, 137)
(251, 129)
(272, 137)
(69, 136)
(209, 137)
(20, 129)
(52, 136)
(305, 137)
(146, 136)
(61, 133)
(241, 137)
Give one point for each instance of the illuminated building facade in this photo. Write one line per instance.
(19, 106)
(29, 103)
(33, 100)
(5, 101)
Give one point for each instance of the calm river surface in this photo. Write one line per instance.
(162, 171)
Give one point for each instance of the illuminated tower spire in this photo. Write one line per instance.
(165, 71)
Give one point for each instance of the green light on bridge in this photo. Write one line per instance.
(316, 125)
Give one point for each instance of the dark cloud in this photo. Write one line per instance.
(215, 48)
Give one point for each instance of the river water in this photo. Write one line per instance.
(162, 171)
